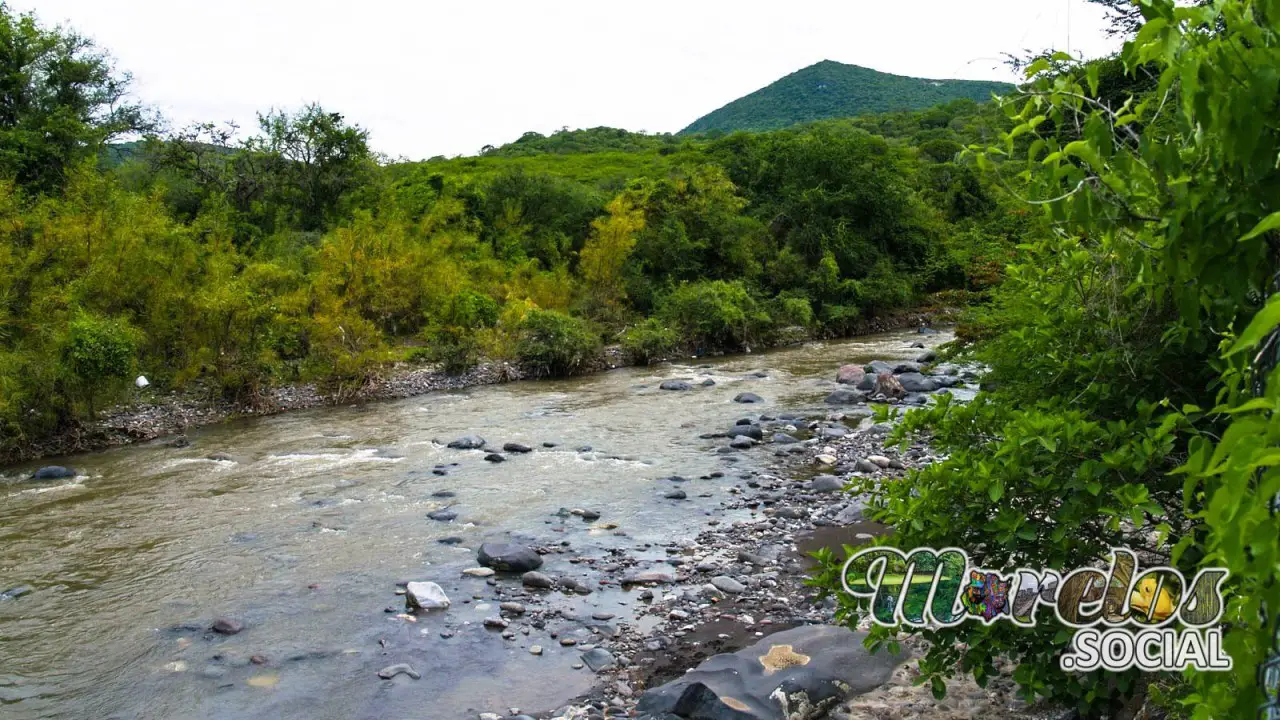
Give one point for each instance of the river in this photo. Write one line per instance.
(304, 531)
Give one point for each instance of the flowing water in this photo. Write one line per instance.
(304, 532)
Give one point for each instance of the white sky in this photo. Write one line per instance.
(446, 78)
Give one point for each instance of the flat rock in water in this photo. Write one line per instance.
(846, 397)
(425, 596)
(742, 442)
(675, 495)
(494, 458)
(798, 674)
(785, 439)
(512, 447)
(752, 431)
(227, 626)
(748, 398)
(677, 385)
(443, 515)
(53, 472)
(645, 577)
(468, 442)
(826, 483)
(481, 572)
(508, 557)
(391, 671)
(537, 580)
(598, 659)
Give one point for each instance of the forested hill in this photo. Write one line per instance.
(833, 90)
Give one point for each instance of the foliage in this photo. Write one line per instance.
(650, 341)
(832, 90)
(1123, 409)
(555, 344)
(98, 354)
(715, 315)
(61, 99)
(292, 253)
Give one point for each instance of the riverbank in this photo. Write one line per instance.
(740, 582)
(155, 416)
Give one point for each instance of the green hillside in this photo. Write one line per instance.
(833, 90)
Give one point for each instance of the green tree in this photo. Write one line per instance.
(61, 99)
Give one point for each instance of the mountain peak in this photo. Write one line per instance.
(830, 89)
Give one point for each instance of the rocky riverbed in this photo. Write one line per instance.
(718, 600)
(377, 561)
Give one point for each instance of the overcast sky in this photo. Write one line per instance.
(446, 78)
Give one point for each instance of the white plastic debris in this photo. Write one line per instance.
(142, 381)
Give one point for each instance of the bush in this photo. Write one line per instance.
(453, 340)
(555, 344)
(715, 315)
(650, 341)
(98, 354)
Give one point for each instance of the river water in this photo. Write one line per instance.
(304, 532)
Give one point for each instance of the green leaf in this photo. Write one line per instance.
(1261, 325)
(1269, 223)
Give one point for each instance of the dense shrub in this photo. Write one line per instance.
(650, 341)
(555, 344)
(715, 315)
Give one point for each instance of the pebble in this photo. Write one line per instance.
(479, 572)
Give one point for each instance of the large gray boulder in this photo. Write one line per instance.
(798, 674)
(509, 557)
(916, 383)
(845, 397)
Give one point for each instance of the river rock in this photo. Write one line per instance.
(826, 483)
(444, 515)
(945, 381)
(53, 472)
(675, 495)
(748, 398)
(927, 331)
(724, 583)
(647, 577)
(865, 466)
(425, 596)
(14, 593)
(784, 439)
(916, 383)
(391, 671)
(797, 674)
(906, 367)
(845, 397)
(676, 385)
(927, 356)
(508, 557)
(888, 386)
(826, 459)
(752, 431)
(480, 572)
(742, 442)
(850, 374)
(879, 460)
(879, 367)
(468, 442)
(512, 447)
(226, 626)
(537, 580)
(494, 458)
(598, 659)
